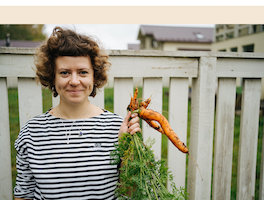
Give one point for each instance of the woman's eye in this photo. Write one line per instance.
(64, 73)
(83, 72)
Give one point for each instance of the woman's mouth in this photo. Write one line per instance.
(74, 91)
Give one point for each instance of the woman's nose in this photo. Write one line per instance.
(74, 79)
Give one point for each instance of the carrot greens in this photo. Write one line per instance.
(141, 175)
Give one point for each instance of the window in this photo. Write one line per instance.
(248, 48)
(258, 28)
(219, 38)
(230, 26)
(154, 44)
(222, 50)
(233, 49)
(199, 36)
(243, 31)
(229, 35)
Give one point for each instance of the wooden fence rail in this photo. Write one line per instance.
(213, 85)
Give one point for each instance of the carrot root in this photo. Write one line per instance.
(149, 115)
(154, 125)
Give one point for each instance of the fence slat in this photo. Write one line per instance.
(30, 99)
(178, 117)
(202, 126)
(224, 136)
(248, 139)
(123, 91)
(261, 182)
(98, 100)
(5, 154)
(55, 101)
(152, 87)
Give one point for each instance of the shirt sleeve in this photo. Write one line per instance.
(25, 183)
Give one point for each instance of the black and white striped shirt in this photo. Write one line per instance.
(67, 159)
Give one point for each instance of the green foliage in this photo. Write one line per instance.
(14, 127)
(32, 32)
(141, 176)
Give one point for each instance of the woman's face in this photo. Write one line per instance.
(74, 78)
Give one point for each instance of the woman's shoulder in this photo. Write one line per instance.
(41, 118)
(36, 120)
(110, 114)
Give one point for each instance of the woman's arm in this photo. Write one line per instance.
(25, 183)
(21, 199)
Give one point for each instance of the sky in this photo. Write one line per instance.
(111, 36)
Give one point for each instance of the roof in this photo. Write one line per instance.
(178, 34)
(20, 43)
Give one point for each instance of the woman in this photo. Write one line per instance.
(65, 152)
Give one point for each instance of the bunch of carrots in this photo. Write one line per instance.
(141, 175)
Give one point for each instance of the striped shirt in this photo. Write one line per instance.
(67, 159)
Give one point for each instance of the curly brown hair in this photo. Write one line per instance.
(65, 42)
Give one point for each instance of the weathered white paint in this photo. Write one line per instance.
(16, 65)
(224, 134)
(55, 101)
(152, 87)
(178, 118)
(202, 126)
(5, 154)
(29, 98)
(248, 139)
(98, 100)
(123, 91)
(227, 67)
(151, 66)
(146, 53)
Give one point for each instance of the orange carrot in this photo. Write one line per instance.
(153, 115)
(133, 102)
(154, 125)
(145, 103)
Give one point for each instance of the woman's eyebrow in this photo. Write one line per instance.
(62, 69)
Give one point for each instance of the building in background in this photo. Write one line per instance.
(239, 38)
(174, 38)
(19, 43)
(221, 37)
(131, 46)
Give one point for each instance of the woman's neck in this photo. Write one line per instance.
(76, 111)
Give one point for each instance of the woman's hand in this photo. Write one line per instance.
(130, 124)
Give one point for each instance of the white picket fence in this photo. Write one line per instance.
(211, 74)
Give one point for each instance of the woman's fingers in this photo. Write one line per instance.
(134, 129)
(133, 124)
(130, 124)
(124, 125)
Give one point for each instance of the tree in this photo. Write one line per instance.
(32, 32)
